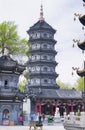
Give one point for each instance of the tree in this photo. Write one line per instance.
(63, 85)
(10, 41)
(22, 84)
(80, 84)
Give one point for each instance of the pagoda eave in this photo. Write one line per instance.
(81, 45)
(43, 39)
(82, 20)
(81, 72)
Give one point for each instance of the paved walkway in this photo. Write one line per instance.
(49, 127)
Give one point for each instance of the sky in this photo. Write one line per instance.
(60, 15)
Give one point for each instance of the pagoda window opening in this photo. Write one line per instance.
(45, 57)
(6, 84)
(51, 36)
(38, 35)
(35, 36)
(45, 35)
(45, 46)
(35, 57)
(36, 46)
(45, 69)
(45, 81)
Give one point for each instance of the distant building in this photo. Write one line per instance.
(44, 93)
(11, 99)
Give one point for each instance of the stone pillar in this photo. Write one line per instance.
(40, 108)
(72, 108)
(38, 105)
(72, 116)
(36, 108)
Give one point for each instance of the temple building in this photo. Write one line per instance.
(11, 99)
(45, 94)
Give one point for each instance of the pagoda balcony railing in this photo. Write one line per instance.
(43, 73)
(43, 61)
(6, 94)
(47, 50)
(8, 90)
(42, 39)
(5, 90)
(49, 85)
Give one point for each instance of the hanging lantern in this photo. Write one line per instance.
(73, 45)
(82, 51)
(74, 18)
(72, 73)
(83, 28)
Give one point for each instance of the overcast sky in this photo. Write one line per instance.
(59, 14)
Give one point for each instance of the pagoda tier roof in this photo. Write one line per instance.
(81, 72)
(81, 45)
(53, 41)
(8, 64)
(57, 93)
(11, 95)
(41, 25)
(51, 74)
(41, 62)
(82, 20)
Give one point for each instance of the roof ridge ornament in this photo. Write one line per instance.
(41, 14)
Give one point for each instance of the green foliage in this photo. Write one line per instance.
(26, 74)
(64, 85)
(61, 84)
(80, 84)
(22, 85)
(10, 41)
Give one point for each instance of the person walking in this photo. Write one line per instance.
(21, 120)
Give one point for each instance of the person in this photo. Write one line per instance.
(35, 117)
(39, 123)
(21, 120)
(43, 116)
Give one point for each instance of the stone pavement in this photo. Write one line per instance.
(46, 127)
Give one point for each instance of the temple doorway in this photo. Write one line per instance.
(48, 109)
(5, 117)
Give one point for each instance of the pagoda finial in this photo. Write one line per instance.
(41, 13)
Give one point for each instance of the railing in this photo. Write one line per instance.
(72, 119)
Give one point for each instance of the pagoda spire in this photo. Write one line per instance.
(41, 13)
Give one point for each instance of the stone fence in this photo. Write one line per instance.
(77, 120)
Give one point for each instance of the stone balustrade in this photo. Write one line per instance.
(74, 122)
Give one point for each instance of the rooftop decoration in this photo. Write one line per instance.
(41, 14)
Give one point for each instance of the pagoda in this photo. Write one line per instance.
(11, 99)
(41, 65)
